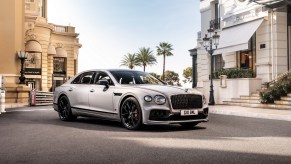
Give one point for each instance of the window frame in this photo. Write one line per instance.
(79, 77)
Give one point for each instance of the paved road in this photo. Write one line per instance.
(36, 135)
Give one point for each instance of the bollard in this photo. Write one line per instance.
(2, 101)
(32, 97)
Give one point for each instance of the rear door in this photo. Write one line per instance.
(78, 91)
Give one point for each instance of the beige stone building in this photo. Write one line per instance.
(254, 35)
(52, 49)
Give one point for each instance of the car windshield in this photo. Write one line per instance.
(135, 77)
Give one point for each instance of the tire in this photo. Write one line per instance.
(64, 109)
(189, 124)
(131, 114)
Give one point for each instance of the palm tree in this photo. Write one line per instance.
(164, 49)
(130, 60)
(145, 57)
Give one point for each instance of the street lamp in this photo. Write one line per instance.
(207, 43)
(22, 56)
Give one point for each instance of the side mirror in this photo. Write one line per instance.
(105, 83)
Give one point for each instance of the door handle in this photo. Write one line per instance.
(92, 90)
(71, 89)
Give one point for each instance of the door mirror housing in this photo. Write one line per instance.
(104, 82)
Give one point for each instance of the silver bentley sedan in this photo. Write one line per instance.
(132, 97)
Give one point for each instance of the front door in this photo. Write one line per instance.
(100, 96)
(58, 80)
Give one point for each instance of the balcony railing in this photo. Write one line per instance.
(199, 35)
(59, 28)
(215, 23)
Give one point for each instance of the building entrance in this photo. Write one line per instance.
(246, 59)
(57, 81)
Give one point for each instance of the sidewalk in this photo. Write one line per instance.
(274, 114)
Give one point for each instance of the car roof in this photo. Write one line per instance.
(113, 69)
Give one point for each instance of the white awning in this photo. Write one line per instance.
(33, 46)
(236, 38)
(61, 52)
(51, 50)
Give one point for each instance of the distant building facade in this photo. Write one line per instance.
(52, 49)
(253, 35)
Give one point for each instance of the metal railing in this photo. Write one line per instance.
(59, 28)
(279, 78)
(215, 23)
(199, 35)
(42, 98)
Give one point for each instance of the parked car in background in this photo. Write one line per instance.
(131, 97)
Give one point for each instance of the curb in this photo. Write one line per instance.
(253, 115)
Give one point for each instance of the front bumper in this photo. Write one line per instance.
(176, 118)
(55, 106)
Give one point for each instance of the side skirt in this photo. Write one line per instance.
(96, 114)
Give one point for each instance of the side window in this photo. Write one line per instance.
(77, 79)
(103, 76)
(84, 78)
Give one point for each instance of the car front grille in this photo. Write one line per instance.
(186, 101)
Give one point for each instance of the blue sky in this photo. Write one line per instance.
(110, 29)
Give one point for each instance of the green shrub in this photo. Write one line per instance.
(281, 88)
(232, 73)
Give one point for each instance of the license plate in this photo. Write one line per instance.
(189, 112)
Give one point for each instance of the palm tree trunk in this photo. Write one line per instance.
(164, 67)
(144, 68)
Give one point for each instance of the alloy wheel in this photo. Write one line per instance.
(64, 108)
(131, 115)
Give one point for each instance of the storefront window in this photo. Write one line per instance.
(246, 58)
(33, 64)
(218, 62)
(59, 65)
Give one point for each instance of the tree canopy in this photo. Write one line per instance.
(130, 60)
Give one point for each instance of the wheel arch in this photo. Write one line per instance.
(124, 98)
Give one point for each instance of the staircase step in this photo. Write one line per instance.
(250, 101)
(250, 97)
(286, 98)
(255, 94)
(281, 102)
(268, 106)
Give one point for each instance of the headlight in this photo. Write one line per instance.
(148, 98)
(204, 99)
(160, 100)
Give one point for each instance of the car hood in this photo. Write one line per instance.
(168, 90)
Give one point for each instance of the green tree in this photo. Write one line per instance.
(130, 60)
(145, 57)
(164, 49)
(155, 75)
(187, 73)
(172, 78)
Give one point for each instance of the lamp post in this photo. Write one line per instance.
(22, 56)
(207, 43)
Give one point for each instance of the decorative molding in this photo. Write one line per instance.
(59, 45)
